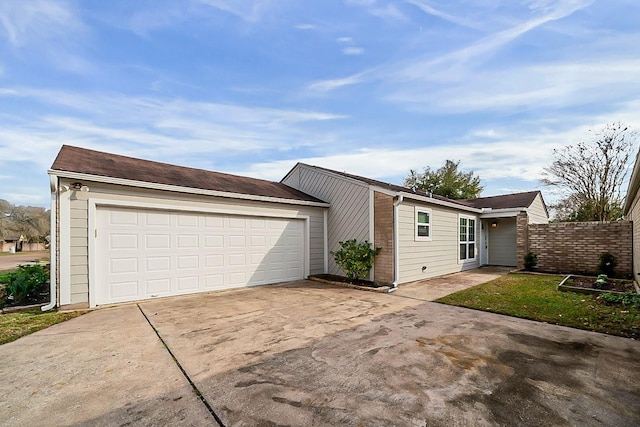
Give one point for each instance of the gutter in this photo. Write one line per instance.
(53, 182)
(396, 242)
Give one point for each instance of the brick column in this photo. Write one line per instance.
(383, 237)
(522, 239)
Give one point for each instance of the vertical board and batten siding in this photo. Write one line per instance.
(79, 224)
(502, 242)
(440, 254)
(348, 217)
(537, 212)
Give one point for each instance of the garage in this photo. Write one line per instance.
(156, 253)
(127, 229)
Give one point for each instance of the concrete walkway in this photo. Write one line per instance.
(8, 261)
(310, 354)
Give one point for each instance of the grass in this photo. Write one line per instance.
(536, 297)
(19, 324)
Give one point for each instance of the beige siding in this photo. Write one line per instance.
(634, 216)
(502, 242)
(79, 233)
(537, 212)
(440, 254)
(348, 217)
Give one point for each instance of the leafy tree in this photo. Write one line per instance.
(591, 173)
(29, 221)
(447, 181)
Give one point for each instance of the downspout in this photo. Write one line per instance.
(396, 242)
(53, 181)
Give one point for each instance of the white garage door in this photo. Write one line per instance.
(144, 254)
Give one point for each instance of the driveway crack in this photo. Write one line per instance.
(194, 387)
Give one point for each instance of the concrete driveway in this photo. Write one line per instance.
(311, 354)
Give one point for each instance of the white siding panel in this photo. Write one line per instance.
(440, 254)
(537, 213)
(348, 217)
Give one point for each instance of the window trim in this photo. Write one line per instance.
(417, 238)
(468, 242)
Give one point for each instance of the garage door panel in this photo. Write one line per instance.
(122, 217)
(158, 287)
(157, 241)
(214, 241)
(123, 241)
(154, 219)
(123, 265)
(158, 263)
(172, 253)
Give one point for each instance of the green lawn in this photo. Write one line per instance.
(536, 297)
(16, 325)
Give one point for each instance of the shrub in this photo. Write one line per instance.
(25, 282)
(607, 263)
(628, 300)
(530, 261)
(601, 281)
(355, 259)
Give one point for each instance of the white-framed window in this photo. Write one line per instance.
(423, 219)
(467, 238)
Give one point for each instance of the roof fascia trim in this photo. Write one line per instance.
(439, 202)
(180, 189)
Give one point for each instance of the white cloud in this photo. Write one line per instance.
(306, 27)
(322, 86)
(353, 51)
(248, 10)
(430, 10)
(37, 21)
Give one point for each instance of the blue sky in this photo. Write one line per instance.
(371, 87)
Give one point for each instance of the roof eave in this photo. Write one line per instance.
(452, 205)
(180, 189)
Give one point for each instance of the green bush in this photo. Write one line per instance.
(607, 263)
(629, 299)
(25, 282)
(601, 281)
(530, 261)
(355, 259)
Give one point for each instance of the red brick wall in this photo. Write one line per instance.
(575, 247)
(383, 237)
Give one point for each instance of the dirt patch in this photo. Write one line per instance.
(613, 285)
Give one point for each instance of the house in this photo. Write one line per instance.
(11, 243)
(126, 229)
(422, 235)
(632, 213)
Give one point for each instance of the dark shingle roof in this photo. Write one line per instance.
(387, 186)
(506, 201)
(81, 160)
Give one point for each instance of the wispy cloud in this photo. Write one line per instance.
(306, 27)
(38, 21)
(248, 10)
(352, 51)
(150, 127)
(430, 10)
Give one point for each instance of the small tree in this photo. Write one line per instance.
(355, 259)
(447, 181)
(591, 174)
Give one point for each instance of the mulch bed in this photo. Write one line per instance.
(589, 284)
(365, 285)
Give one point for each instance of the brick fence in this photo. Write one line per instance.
(575, 247)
